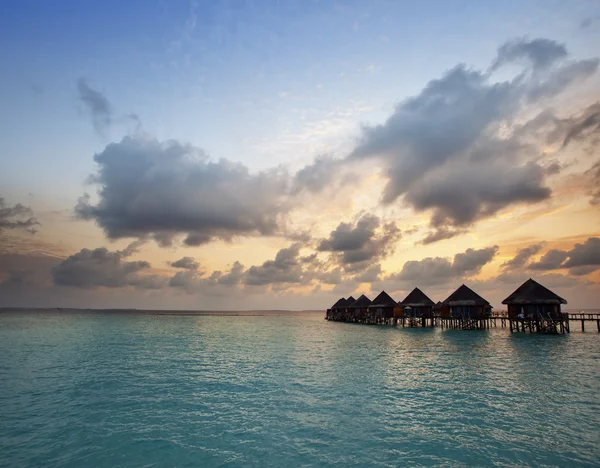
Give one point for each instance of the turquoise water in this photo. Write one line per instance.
(294, 390)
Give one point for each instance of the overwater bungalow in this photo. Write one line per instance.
(382, 308)
(531, 300)
(337, 309)
(358, 310)
(417, 304)
(464, 303)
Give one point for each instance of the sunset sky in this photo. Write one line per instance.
(279, 155)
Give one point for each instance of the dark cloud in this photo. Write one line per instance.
(286, 268)
(100, 267)
(540, 53)
(439, 270)
(188, 280)
(438, 124)
(584, 125)
(187, 263)
(522, 257)
(458, 198)
(357, 245)
(582, 259)
(586, 254)
(233, 277)
(98, 105)
(455, 150)
(164, 189)
(471, 261)
(551, 260)
(441, 233)
(592, 176)
(565, 76)
(217, 283)
(316, 176)
(370, 275)
(334, 276)
(16, 217)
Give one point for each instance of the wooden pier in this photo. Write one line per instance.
(524, 325)
(531, 308)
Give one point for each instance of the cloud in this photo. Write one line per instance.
(370, 275)
(187, 263)
(540, 53)
(462, 149)
(103, 268)
(217, 283)
(18, 277)
(583, 126)
(438, 274)
(441, 233)
(582, 259)
(562, 78)
(233, 277)
(356, 246)
(287, 267)
(522, 257)
(188, 280)
(334, 276)
(458, 198)
(592, 176)
(586, 254)
(587, 22)
(161, 189)
(318, 175)
(471, 261)
(551, 260)
(97, 104)
(17, 217)
(435, 269)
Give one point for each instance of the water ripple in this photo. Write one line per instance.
(110, 390)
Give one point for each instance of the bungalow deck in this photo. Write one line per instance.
(531, 325)
(531, 308)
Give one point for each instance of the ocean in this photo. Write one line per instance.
(290, 389)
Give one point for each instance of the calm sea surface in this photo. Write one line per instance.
(108, 390)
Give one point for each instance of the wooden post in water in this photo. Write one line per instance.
(582, 325)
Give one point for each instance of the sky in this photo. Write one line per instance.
(243, 155)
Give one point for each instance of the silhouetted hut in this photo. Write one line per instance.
(417, 304)
(532, 300)
(466, 303)
(340, 304)
(359, 308)
(382, 307)
(337, 309)
(437, 308)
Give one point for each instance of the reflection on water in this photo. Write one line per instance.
(130, 390)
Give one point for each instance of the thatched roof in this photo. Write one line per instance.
(383, 300)
(362, 301)
(417, 298)
(350, 301)
(341, 303)
(465, 296)
(438, 305)
(532, 292)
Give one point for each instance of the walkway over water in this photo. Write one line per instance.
(533, 324)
